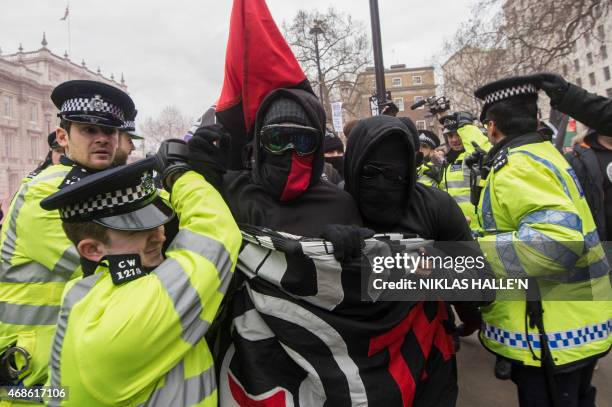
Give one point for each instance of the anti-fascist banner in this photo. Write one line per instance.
(303, 336)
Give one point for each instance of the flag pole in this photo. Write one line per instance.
(69, 33)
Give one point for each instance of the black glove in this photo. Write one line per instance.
(347, 239)
(554, 85)
(171, 161)
(208, 153)
(434, 172)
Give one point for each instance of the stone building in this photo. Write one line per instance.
(27, 114)
(407, 86)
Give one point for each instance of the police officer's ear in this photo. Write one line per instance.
(62, 137)
(492, 131)
(92, 249)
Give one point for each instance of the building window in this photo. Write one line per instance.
(418, 99)
(603, 51)
(33, 112)
(587, 38)
(8, 106)
(420, 125)
(607, 73)
(34, 148)
(600, 32)
(8, 148)
(399, 102)
(397, 82)
(576, 65)
(590, 58)
(564, 70)
(609, 92)
(417, 80)
(592, 79)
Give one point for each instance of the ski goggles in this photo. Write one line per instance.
(278, 138)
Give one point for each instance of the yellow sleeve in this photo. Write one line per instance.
(469, 133)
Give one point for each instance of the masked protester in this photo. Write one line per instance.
(333, 149)
(284, 190)
(380, 173)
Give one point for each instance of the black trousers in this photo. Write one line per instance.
(574, 388)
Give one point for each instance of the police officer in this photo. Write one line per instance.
(461, 134)
(537, 225)
(428, 173)
(131, 331)
(53, 155)
(127, 135)
(37, 259)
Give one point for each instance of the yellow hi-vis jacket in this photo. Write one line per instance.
(456, 178)
(142, 343)
(537, 223)
(423, 177)
(36, 261)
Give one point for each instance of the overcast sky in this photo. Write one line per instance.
(173, 51)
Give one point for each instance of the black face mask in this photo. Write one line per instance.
(276, 175)
(337, 162)
(382, 197)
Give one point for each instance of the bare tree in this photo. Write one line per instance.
(170, 123)
(343, 51)
(514, 37)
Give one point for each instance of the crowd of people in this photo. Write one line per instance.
(196, 294)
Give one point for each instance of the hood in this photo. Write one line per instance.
(364, 137)
(315, 112)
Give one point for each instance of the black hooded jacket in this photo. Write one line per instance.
(430, 212)
(321, 204)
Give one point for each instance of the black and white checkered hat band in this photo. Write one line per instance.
(115, 199)
(129, 125)
(526, 89)
(426, 140)
(96, 104)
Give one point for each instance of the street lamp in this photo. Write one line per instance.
(316, 30)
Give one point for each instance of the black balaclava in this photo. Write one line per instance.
(387, 141)
(287, 175)
(382, 200)
(333, 143)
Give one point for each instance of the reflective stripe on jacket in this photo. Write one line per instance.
(456, 179)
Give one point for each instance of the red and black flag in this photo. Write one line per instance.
(257, 61)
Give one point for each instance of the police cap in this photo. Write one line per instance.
(120, 198)
(503, 89)
(92, 102)
(129, 127)
(429, 138)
